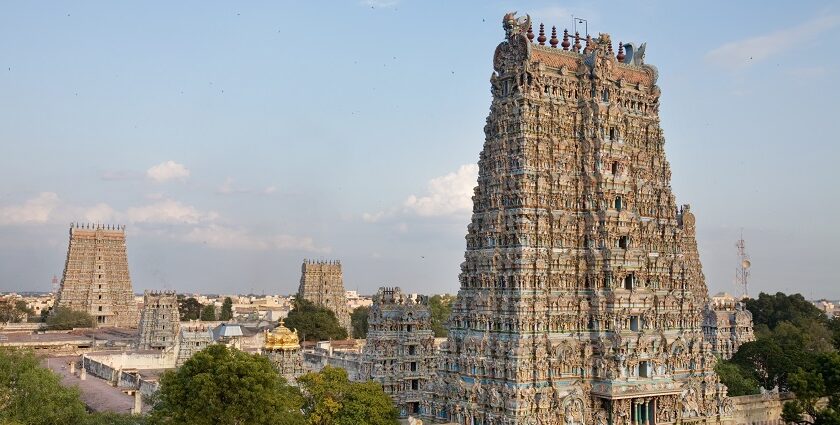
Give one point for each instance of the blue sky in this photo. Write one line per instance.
(234, 140)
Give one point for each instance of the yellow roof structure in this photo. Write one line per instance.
(281, 338)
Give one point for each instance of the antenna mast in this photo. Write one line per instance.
(55, 285)
(742, 272)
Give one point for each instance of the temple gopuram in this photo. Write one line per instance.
(282, 347)
(96, 279)
(581, 292)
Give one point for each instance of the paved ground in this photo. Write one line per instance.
(97, 394)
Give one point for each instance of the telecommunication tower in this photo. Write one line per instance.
(742, 272)
(55, 284)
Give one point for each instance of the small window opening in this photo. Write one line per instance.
(622, 242)
(605, 95)
(612, 133)
(618, 203)
(615, 168)
(628, 282)
(634, 323)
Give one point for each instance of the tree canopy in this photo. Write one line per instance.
(63, 318)
(208, 313)
(227, 309)
(189, 308)
(33, 394)
(331, 399)
(440, 307)
(14, 311)
(795, 350)
(221, 385)
(359, 320)
(314, 323)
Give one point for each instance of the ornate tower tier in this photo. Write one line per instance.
(96, 278)
(322, 283)
(399, 353)
(581, 293)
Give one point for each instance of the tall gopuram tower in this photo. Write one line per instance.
(96, 277)
(581, 292)
(322, 283)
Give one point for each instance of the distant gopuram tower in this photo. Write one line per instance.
(322, 283)
(159, 320)
(582, 295)
(96, 277)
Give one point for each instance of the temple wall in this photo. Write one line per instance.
(761, 409)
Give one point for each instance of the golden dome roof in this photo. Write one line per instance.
(281, 338)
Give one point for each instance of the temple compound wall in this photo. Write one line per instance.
(581, 292)
(727, 324)
(399, 352)
(96, 278)
(159, 321)
(322, 283)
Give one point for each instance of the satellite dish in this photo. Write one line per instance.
(746, 264)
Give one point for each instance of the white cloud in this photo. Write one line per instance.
(379, 3)
(447, 195)
(169, 170)
(168, 212)
(218, 236)
(373, 217)
(744, 53)
(34, 210)
(228, 187)
(99, 213)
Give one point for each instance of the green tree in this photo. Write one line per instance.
(227, 309)
(810, 386)
(738, 381)
(359, 320)
(64, 318)
(208, 313)
(33, 394)
(314, 323)
(14, 311)
(189, 308)
(331, 399)
(770, 310)
(221, 385)
(440, 307)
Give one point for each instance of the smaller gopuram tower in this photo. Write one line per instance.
(400, 350)
(282, 347)
(322, 284)
(727, 324)
(96, 278)
(159, 320)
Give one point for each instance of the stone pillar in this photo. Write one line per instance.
(138, 403)
(83, 374)
(72, 367)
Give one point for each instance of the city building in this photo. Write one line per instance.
(399, 352)
(727, 324)
(282, 347)
(581, 293)
(96, 278)
(322, 283)
(159, 320)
